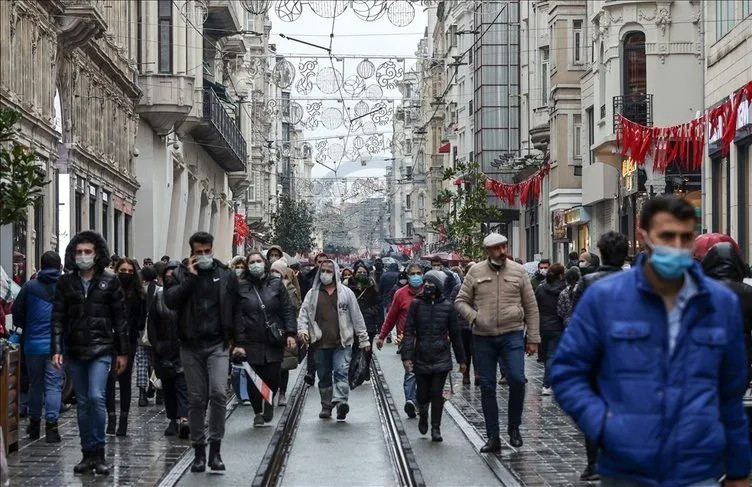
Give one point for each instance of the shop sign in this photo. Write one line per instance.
(559, 227)
(629, 176)
(576, 216)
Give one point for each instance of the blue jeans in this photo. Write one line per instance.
(90, 383)
(410, 387)
(45, 385)
(549, 344)
(240, 384)
(488, 351)
(333, 367)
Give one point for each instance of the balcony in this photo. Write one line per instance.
(223, 18)
(81, 21)
(219, 135)
(636, 107)
(166, 99)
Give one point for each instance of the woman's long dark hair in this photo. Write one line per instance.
(136, 285)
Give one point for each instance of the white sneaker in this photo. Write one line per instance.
(545, 391)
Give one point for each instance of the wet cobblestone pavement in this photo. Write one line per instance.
(553, 453)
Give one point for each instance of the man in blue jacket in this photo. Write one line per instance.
(652, 365)
(32, 311)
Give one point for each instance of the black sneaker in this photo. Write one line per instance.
(589, 474)
(258, 420)
(84, 465)
(410, 409)
(309, 379)
(493, 445)
(172, 428)
(33, 429)
(184, 431)
(342, 409)
(268, 412)
(515, 439)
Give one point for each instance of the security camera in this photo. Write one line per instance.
(135, 152)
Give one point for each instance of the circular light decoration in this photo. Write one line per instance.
(388, 74)
(358, 142)
(307, 69)
(329, 80)
(295, 112)
(257, 7)
(289, 10)
(361, 108)
(354, 85)
(286, 149)
(328, 8)
(365, 69)
(284, 73)
(331, 118)
(369, 128)
(400, 13)
(335, 152)
(369, 10)
(373, 92)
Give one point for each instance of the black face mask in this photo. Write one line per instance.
(169, 281)
(379, 266)
(126, 279)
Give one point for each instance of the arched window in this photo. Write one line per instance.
(635, 79)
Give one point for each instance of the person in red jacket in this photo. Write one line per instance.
(397, 315)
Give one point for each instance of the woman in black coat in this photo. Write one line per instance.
(263, 305)
(135, 313)
(431, 325)
(369, 299)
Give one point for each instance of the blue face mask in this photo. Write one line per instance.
(670, 262)
(415, 281)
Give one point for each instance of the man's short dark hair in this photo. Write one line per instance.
(544, 261)
(555, 272)
(202, 238)
(574, 255)
(614, 248)
(677, 206)
(51, 260)
(149, 274)
(165, 258)
(437, 259)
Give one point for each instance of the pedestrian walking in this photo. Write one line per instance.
(265, 316)
(135, 312)
(204, 294)
(551, 325)
(330, 318)
(89, 325)
(387, 281)
(588, 263)
(467, 340)
(369, 300)
(238, 377)
(540, 275)
(32, 312)
(649, 367)
(397, 316)
(497, 299)
(143, 347)
(292, 357)
(430, 327)
(162, 330)
(306, 284)
(565, 305)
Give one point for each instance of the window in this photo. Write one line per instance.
(409, 172)
(116, 231)
(105, 205)
(470, 56)
(577, 41)
(725, 17)
(746, 8)
(470, 109)
(544, 76)
(139, 34)
(408, 206)
(92, 207)
(590, 115)
(635, 68)
(577, 136)
(126, 235)
(742, 166)
(408, 229)
(452, 36)
(164, 35)
(78, 210)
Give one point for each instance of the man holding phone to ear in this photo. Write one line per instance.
(204, 293)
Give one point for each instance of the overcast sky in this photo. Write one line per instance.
(354, 39)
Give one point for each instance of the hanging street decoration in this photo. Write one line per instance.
(683, 143)
(241, 230)
(508, 192)
(399, 12)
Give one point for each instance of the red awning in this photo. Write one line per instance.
(445, 149)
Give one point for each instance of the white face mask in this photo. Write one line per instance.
(205, 261)
(257, 269)
(326, 279)
(85, 262)
(239, 271)
(583, 265)
(543, 272)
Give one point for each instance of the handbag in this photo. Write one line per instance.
(275, 334)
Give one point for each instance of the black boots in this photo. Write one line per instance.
(122, 429)
(342, 409)
(143, 401)
(172, 428)
(85, 464)
(436, 433)
(51, 433)
(184, 431)
(215, 461)
(159, 397)
(423, 418)
(268, 412)
(493, 445)
(410, 409)
(515, 439)
(93, 460)
(199, 459)
(111, 424)
(33, 429)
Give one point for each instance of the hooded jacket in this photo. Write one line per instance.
(430, 327)
(277, 248)
(387, 282)
(547, 297)
(369, 301)
(162, 329)
(32, 311)
(660, 420)
(89, 324)
(350, 318)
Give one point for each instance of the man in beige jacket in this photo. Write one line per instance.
(497, 299)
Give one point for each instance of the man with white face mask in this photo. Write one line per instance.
(652, 365)
(204, 293)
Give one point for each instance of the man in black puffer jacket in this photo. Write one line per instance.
(89, 326)
(204, 294)
(551, 326)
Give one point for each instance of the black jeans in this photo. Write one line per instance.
(124, 380)
(175, 397)
(467, 345)
(269, 373)
(284, 379)
(431, 390)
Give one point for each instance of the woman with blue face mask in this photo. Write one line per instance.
(265, 317)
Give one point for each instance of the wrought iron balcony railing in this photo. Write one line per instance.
(636, 107)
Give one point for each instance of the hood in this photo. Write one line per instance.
(437, 278)
(48, 276)
(236, 259)
(553, 288)
(722, 261)
(274, 247)
(316, 285)
(101, 252)
(393, 267)
(280, 266)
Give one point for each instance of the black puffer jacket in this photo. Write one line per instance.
(431, 324)
(547, 296)
(464, 324)
(135, 315)
(162, 329)
(722, 262)
(93, 324)
(179, 294)
(252, 334)
(588, 279)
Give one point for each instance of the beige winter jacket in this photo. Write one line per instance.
(504, 301)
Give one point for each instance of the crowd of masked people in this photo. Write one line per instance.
(649, 356)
